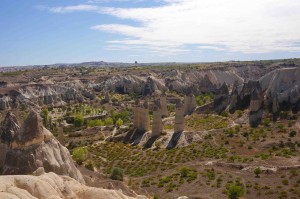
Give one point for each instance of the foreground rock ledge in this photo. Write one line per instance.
(52, 186)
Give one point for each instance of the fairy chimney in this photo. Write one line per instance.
(157, 125)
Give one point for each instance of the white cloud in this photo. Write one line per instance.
(256, 26)
(67, 9)
(216, 48)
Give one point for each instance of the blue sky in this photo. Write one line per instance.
(69, 31)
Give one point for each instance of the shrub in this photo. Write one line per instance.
(285, 182)
(292, 134)
(266, 122)
(117, 174)
(184, 172)
(109, 121)
(45, 116)
(80, 154)
(93, 123)
(89, 166)
(119, 122)
(235, 191)
(257, 171)
(78, 120)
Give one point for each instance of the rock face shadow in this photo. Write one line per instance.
(150, 142)
(174, 140)
(134, 136)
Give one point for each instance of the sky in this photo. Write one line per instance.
(35, 32)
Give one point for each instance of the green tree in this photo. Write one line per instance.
(235, 191)
(80, 154)
(117, 174)
(257, 171)
(78, 120)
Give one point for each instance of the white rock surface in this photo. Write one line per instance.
(51, 186)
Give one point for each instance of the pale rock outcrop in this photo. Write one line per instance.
(32, 146)
(51, 186)
(5, 102)
(199, 81)
(281, 89)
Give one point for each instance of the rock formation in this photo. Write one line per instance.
(9, 128)
(281, 89)
(241, 95)
(179, 118)
(5, 102)
(141, 119)
(189, 104)
(221, 100)
(157, 125)
(50, 186)
(32, 146)
(256, 107)
(163, 104)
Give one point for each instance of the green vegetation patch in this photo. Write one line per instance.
(204, 99)
(201, 122)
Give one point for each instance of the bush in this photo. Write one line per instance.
(45, 116)
(184, 172)
(119, 122)
(89, 166)
(117, 174)
(292, 134)
(235, 191)
(257, 171)
(109, 121)
(204, 99)
(266, 122)
(93, 123)
(78, 120)
(80, 154)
